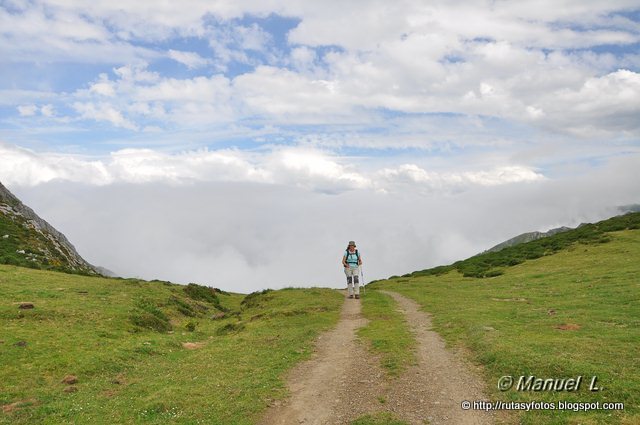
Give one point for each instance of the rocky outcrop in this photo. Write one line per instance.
(30, 238)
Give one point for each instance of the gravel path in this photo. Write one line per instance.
(343, 381)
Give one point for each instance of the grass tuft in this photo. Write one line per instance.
(387, 332)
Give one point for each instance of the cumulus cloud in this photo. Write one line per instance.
(43, 31)
(414, 175)
(518, 62)
(191, 60)
(103, 111)
(137, 95)
(603, 104)
(308, 168)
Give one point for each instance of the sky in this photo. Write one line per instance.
(242, 144)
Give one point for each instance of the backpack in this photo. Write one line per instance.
(350, 254)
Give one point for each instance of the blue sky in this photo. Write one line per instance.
(409, 99)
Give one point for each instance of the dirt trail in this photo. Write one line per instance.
(338, 384)
(343, 381)
(435, 387)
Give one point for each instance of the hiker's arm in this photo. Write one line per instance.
(359, 260)
(344, 261)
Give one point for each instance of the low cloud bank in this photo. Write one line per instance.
(245, 236)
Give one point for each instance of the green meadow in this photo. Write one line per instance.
(133, 351)
(572, 311)
(148, 352)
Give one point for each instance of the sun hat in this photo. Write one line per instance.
(352, 243)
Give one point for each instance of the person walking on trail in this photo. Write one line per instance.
(352, 260)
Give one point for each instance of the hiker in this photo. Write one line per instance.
(352, 260)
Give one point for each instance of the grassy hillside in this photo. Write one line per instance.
(576, 312)
(490, 264)
(148, 352)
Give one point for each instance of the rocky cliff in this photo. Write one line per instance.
(28, 240)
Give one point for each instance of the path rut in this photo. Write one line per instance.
(435, 387)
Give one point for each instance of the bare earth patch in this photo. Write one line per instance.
(521, 300)
(192, 345)
(568, 327)
(9, 408)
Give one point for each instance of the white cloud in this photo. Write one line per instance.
(139, 99)
(421, 179)
(103, 86)
(31, 110)
(232, 42)
(525, 23)
(607, 104)
(103, 112)
(280, 92)
(42, 32)
(24, 167)
(308, 168)
(47, 111)
(314, 170)
(502, 60)
(27, 110)
(303, 58)
(191, 60)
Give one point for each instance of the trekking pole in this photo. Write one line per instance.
(364, 287)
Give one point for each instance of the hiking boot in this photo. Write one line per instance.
(357, 296)
(350, 296)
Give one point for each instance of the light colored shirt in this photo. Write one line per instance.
(352, 258)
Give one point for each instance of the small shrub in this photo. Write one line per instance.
(494, 273)
(220, 291)
(191, 326)
(148, 316)
(202, 293)
(149, 321)
(255, 299)
(183, 307)
(230, 328)
(186, 311)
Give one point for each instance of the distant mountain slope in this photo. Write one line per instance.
(489, 264)
(28, 240)
(532, 236)
(527, 237)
